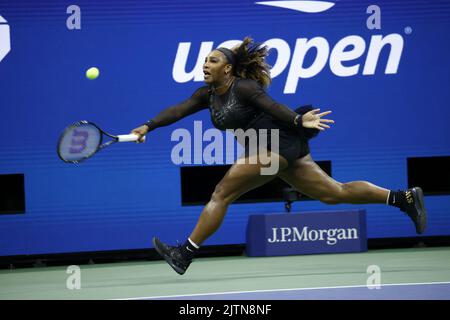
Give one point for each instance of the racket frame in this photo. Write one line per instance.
(100, 145)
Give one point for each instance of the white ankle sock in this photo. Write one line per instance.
(192, 242)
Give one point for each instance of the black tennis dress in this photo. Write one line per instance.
(246, 105)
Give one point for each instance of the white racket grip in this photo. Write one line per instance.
(128, 138)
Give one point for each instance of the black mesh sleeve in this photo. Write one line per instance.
(253, 94)
(198, 101)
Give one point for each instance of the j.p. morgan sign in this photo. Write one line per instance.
(306, 233)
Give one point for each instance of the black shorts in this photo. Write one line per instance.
(292, 143)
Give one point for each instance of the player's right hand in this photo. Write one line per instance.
(140, 132)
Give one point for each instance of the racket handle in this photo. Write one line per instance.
(128, 138)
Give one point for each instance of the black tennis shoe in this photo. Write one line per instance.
(415, 208)
(173, 256)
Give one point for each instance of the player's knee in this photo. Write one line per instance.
(221, 195)
(217, 195)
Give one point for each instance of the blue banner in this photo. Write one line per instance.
(382, 68)
(306, 233)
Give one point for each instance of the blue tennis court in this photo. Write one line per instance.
(413, 291)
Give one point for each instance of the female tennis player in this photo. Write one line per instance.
(234, 93)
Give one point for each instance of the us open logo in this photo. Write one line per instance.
(350, 56)
(302, 6)
(5, 41)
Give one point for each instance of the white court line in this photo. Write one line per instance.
(271, 290)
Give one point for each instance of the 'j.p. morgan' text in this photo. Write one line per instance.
(331, 236)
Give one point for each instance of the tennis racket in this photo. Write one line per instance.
(83, 139)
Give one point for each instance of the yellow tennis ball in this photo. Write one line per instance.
(92, 73)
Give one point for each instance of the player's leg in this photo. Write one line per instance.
(307, 177)
(242, 177)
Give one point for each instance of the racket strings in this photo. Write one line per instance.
(79, 142)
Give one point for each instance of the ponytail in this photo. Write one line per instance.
(250, 62)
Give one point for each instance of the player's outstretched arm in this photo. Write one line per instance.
(198, 101)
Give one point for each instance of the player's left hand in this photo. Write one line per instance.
(313, 119)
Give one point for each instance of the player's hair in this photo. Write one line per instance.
(250, 62)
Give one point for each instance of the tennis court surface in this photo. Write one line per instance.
(416, 273)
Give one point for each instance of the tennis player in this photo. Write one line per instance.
(235, 95)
